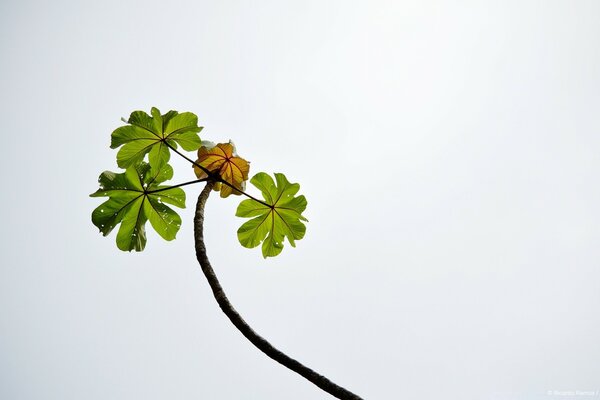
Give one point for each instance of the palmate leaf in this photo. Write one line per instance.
(271, 224)
(223, 160)
(150, 135)
(136, 197)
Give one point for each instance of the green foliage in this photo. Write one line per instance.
(270, 224)
(135, 197)
(154, 134)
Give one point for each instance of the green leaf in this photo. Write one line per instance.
(135, 197)
(154, 134)
(271, 224)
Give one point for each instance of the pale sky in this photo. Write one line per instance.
(448, 152)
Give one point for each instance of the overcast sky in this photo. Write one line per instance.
(448, 152)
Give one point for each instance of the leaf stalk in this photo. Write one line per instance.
(176, 186)
(217, 178)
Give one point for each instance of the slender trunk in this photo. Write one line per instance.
(238, 321)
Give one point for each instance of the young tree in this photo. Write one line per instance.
(139, 194)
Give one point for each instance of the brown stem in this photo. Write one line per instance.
(238, 321)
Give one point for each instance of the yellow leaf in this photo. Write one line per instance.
(222, 159)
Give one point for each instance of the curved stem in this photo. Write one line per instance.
(238, 321)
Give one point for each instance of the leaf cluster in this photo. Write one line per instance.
(223, 160)
(281, 218)
(139, 193)
(156, 136)
(136, 196)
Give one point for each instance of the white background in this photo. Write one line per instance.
(448, 151)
